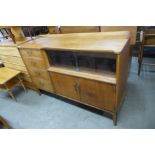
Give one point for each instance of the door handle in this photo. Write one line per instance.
(77, 87)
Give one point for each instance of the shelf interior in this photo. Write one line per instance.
(97, 66)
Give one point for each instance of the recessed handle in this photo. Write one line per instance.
(77, 87)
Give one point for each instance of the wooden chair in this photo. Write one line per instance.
(147, 47)
(78, 29)
(10, 78)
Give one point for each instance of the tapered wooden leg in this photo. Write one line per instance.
(4, 123)
(115, 119)
(140, 59)
(22, 84)
(11, 94)
(39, 92)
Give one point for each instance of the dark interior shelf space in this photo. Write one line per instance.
(95, 62)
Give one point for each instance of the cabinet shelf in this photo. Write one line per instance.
(106, 76)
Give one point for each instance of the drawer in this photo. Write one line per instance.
(43, 84)
(12, 59)
(17, 67)
(11, 51)
(31, 53)
(26, 77)
(33, 63)
(43, 74)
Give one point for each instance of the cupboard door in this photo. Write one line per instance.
(65, 85)
(97, 94)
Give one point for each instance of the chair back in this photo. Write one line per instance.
(78, 29)
(149, 37)
(132, 29)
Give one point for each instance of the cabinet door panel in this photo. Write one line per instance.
(97, 94)
(65, 85)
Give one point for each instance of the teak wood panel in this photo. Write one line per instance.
(123, 66)
(78, 29)
(39, 73)
(36, 64)
(101, 42)
(29, 53)
(98, 94)
(65, 85)
(90, 92)
(53, 29)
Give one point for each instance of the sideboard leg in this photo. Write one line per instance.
(39, 92)
(114, 118)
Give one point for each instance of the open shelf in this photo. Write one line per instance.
(107, 77)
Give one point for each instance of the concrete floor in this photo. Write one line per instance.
(34, 111)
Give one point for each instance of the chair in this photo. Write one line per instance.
(147, 47)
(10, 78)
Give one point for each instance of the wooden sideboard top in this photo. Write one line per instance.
(113, 42)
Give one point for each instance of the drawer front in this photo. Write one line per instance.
(12, 59)
(17, 67)
(31, 53)
(33, 63)
(11, 51)
(98, 94)
(43, 84)
(26, 77)
(43, 74)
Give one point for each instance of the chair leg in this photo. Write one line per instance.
(22, 84)
(140, 59)
(11, 94)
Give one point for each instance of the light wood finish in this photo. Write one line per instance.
(104, 90)
(18, 33)
(10, 78)
(102, 77)
(9, 51)
(131, 29)
(7, 74)
(78, 29)
(11, 58)
(110, 42)
(37, 66)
